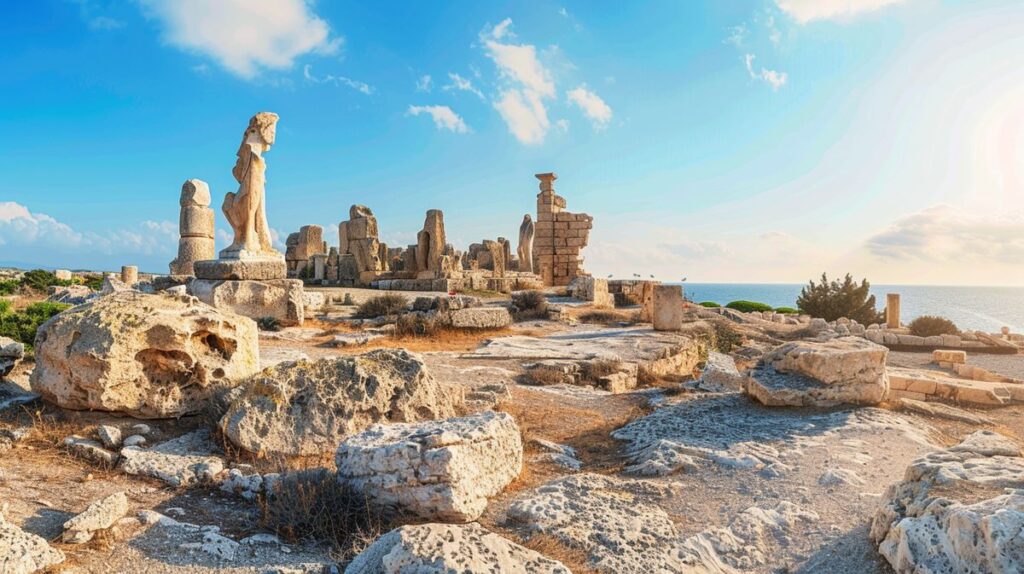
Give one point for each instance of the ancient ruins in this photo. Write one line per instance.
(373, 409)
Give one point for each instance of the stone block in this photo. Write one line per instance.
(281, 298)
(241, 269)
(196, 221)
(668, 307)
(949, 356)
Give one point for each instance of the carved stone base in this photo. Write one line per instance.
(242, 269)
(280, 299)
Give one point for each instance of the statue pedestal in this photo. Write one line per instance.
(256, 269)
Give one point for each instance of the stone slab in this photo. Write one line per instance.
(241, 269)
(280, 299)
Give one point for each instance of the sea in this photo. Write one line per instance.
(976, 308)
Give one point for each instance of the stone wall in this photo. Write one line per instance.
(560, 236)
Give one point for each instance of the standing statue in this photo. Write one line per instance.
(525, 249)
(246, 210)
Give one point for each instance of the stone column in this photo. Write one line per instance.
(892, 310)
(195, 226)
(668, 307)
(129, 275)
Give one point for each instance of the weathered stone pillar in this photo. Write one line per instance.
(668, 307)
(129, 275)
(892, 310)
(195, 227)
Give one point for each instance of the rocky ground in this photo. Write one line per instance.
(665, 477)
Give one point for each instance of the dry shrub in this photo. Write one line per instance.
(574, 559)
(930, 326)
(382, 305)
(530, 305)
(313, 505)
(543, 376)
(417, 325)
(594, 371)
(726, 337)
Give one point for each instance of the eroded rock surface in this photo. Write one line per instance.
(189, 459)
(957, 510)
(309, 407)
(845, 370)
(147, 356)
(430, 548)
(438, 470)
(23, 552)
(100, 515)
(11, 352)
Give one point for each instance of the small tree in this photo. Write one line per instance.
(831, 300)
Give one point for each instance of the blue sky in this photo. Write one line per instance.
(749, 141)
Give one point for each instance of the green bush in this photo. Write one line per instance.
(929, 326)
(787, 310)
(22, 325)
(382, 305)
(8, 286)
(831, 300)
(39, 280)
(94, 282)
(268, 324)
(5, 306)
(748, 306)
(709, 304)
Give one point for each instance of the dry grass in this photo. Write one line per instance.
(442, 339)
(609, 317)
(573, 558)
(594, 371)
(543, 376)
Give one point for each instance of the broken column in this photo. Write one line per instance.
(892, 310)
(559, 236)
(129, 275)
(668, 307)
(358, 237)
(430, 245)
(496, 250)
(301, 247)
(195, 227)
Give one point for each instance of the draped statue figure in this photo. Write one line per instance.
(525, 249)
(246, 209)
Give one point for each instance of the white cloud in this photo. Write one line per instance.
(336, 80)
(425, 83)
(525, 115)
(737, 36)
(244, 36)
(444, 118)
(775, 79)
(89, 11)
(462, 84)
(941, 234)
(562, 125)
(526, 84)
(40, 239)
(804, 11)
(592, 106)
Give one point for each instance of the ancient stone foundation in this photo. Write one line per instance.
(559, 236)
(301, 247)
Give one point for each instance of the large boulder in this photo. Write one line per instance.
(429, 548)
(147, 356)
(11, 352)
(438, 470)
(957, 510)
(309, 407)
(23, 552)
(821, 373)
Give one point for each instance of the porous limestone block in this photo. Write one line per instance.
(189, 459)
(11, 352)
(437, 470)
(280, 299)
(129, 275)
(720, 373)
(307, 407)
(949, 356)
(195, 221)
(668, 307)
(449, 548)
(263, 269)
(100, 515)
(147, 356)
(23, 552)
(480, 318)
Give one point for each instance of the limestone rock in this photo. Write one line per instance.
(720, 374)
(147, 356)
(668, 308)
(100, 515)
(440, 548)
(957, 510)
(23, 552)
(821, 373)
(281, 299)
(478, 318)
(70, 295)
(89, 450)
(438, 470)
(304, 407)
(11, 352)
(189, 459)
